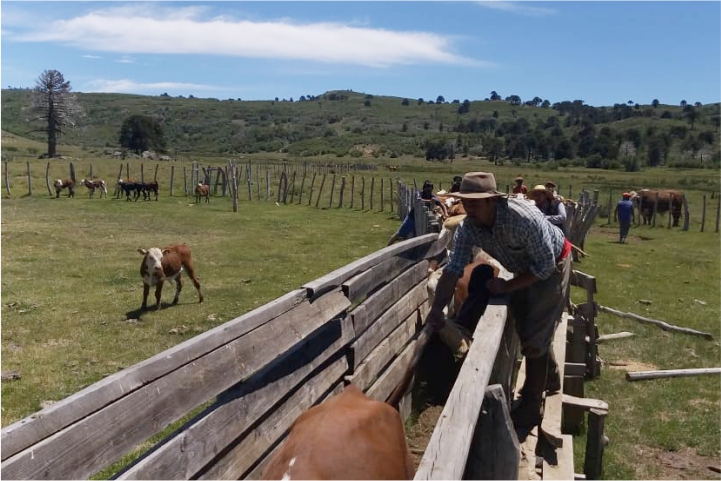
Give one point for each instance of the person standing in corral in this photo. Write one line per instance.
(552, 208)
(516, 234)
(520, 187)
(625, 216)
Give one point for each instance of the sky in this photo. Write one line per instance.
(600, 52)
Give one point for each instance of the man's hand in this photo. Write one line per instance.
(497, 286)
(436, 319)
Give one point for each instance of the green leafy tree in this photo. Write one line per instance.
(440, 99)
(54, 105)
(691, 114)
(495, 96)
(405, 102)
(140, 133)
(655, 103)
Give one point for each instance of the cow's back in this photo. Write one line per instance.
(349, 436)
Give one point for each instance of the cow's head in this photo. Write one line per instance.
(120, 181)
(153, 261)
(58, 184)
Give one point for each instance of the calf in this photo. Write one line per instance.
(349, 436)
(130, 187)
(147, 188)
(202, 190)
(62, 184)
(163, 265)
(95, 184)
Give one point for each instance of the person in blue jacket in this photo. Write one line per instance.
(624, 214)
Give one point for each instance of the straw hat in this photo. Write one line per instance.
(540, 188)
(550, 184)
(478, 185)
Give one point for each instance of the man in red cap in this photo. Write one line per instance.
(516, 234)
(520, 187)
(625, 216)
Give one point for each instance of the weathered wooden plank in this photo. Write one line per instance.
(581, 279)
(367, 312)
(574, 369)
(379, 358)
(240, 459)
(585, 403)
(360, 285)
(447, 451)
(643, 375)
(87, 446)
(30, 430)
(495, 452)
(241, 407)
(612, 337)
(551, 424)
(563, 470)
(595, 444)
(391, 377)
(339, 276)
(387, 322)
(263, 462)
(573, 416)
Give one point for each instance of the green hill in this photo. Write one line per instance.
(350, 124)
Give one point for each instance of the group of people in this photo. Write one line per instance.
(530, 242)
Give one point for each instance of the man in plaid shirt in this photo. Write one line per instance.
(516, 234)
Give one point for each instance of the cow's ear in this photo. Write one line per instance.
(143, 251)
(165, 251)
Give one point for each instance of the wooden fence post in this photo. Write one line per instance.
(234, 170)
(302, 185)
(310, 191)
(685, 212)
(373, 181)
(390, 196)
(655, 211)
(47, 179)
(142, 172)
(7, 178)
(352, 190)
(320, 190)
(670, 210)
(332, 190)
(363, 193)
(72, 171)
(703, 213)
(185, 182)
(382, 206)
(610, 205)
(155, 175)
(342, 188)
(172, 180)
(292, 187)
(127, 170)
(570, 192)
(30, 182)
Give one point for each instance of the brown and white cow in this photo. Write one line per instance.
(202, 190)
(95, 184)
(349, 436)
(166, 264)
(61, 184)
(670, 201)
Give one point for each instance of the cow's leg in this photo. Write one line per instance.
(158, 291)
(193, 277)
(178, 287)
(146, 291)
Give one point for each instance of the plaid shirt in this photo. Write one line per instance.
(521, 239)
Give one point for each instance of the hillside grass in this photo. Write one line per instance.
(71, 287)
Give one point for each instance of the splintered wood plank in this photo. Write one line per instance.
(564, 457)
(87, 446)
(447, 451)
(360, 285)
(47, 422)
(246, 404)
(551, 424)
(240, 459)
(366, 313)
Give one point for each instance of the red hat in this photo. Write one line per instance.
(626, 194)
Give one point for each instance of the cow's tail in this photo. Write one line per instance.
(395, 398)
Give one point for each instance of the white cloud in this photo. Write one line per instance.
(91, 56)
(129, 86)
(125, 59)
(515, 7)
(132, 30)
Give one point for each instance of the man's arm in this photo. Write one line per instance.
(444, 292)
(559, 218)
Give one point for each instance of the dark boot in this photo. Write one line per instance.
(553, 379)
(475, 305)
(527, 412)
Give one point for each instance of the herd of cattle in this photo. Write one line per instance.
(132, 189)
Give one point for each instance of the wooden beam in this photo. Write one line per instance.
(28, 431)
(87, 446)
(551, 424)
(359, 286)
(644, 375)
(241, 407)
(612, 337)
(391, 377)
(585, 403)
(575, 369)
(563, 469)
(581, 279)
(595, 443)
(448, 448)
(663, 325)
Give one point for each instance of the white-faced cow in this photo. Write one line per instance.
(166, 264)
(202, 190)
(61, 184)
(95, 184)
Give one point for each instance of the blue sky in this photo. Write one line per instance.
(599, 52)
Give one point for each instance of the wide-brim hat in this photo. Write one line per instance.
(542, 189)
(478, 185)
(519, 178)
(550, 184)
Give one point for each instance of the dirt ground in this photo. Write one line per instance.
(420, 432)
(683, 464)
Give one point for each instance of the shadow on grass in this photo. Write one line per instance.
(137, 313)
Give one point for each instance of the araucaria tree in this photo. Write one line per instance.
(55, 105)
(140, 133)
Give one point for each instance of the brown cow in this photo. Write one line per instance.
(202, 190)
(95, 184)
(349, 436)
(163, 265)
(668, 201)
(62, 184)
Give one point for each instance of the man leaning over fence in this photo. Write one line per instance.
(518, 235)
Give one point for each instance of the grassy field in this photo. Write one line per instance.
(71, 289)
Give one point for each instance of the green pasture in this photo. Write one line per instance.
(71, 286)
